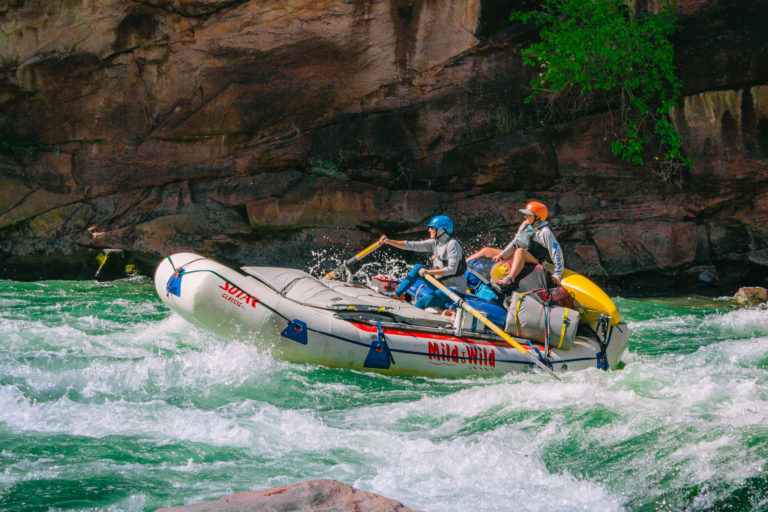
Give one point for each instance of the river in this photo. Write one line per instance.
(108, 401)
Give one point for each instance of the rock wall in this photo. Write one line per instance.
(258, 131)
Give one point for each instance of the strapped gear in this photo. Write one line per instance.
(528, 318)
(478, 277)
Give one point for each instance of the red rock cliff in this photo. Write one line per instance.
(256, 131)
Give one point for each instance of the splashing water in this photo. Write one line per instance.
(110, 402)
(378, 263)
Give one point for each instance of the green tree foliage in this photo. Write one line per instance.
(604, 48)
(21, 148)
(326, 167)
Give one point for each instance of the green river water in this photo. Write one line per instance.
(108, 401)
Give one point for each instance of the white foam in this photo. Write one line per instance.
(520, 442)
(743, 322)
(153, 419)
(441, 469)
(133, 503)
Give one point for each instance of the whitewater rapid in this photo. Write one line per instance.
(108, 401)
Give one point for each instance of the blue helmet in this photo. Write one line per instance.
(441, 222)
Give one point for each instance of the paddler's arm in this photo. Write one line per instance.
(409, 245)
(556, 254)
(400, 244)
(516, 242)
(506, 252)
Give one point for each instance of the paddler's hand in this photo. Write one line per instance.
(497, 257)
(383, 240)
(422, 271)
(556, 280)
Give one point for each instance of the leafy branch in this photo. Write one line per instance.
(603, 48)
(21, 148)
(326, 167)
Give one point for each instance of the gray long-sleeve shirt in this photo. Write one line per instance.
(446, 254)
(542, 235)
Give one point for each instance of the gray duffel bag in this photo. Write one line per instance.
(527, 318)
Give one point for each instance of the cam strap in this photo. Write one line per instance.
(479, 276)
(563, 328)
(488, 282)
(517, 313)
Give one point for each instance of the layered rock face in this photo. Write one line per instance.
(257, 132)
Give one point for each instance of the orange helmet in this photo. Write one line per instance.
(536, 208)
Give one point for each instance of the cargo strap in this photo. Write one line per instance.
(542, 357)
(517, 314)
(487, 282)
(563, 328)
(604, 331)
(547, 332)
(520, 297)
(547, 349)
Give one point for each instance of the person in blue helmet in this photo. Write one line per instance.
(448, 264)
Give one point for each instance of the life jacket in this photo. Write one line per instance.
(460, 268)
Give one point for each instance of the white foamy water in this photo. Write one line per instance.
(148, 411)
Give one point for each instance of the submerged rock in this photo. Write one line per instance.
(751, 295)
(313, 495)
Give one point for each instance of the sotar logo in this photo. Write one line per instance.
(472, 355)
(237, 296)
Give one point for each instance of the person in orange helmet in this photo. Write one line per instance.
(533, 229)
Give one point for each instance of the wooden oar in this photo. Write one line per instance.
(495, 328)
(357, 257)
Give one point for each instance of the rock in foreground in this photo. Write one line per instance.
(313, 495)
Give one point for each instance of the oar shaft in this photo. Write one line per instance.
(495, 328)
(357, 257)
(362, 254)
